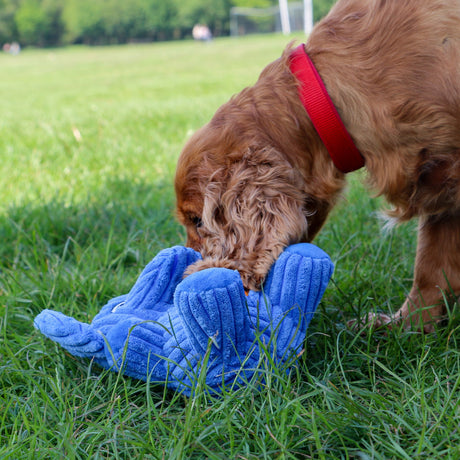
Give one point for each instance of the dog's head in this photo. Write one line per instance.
(255, 179)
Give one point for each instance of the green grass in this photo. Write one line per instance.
(81, 215)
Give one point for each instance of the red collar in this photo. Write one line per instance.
(323, 113)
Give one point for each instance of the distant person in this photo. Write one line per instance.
(201, 32)
(12, 48)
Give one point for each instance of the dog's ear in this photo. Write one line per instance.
(253, 208)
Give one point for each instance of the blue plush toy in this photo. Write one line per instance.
(169, 329)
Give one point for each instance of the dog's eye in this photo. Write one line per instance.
(196, 221)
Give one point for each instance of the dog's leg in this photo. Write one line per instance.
(437, 269)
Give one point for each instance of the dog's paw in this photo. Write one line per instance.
(371, 321)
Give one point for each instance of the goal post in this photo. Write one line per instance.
(307, 16)
(286, 17)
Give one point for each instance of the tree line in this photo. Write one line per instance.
(63, 22)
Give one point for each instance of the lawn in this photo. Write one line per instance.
(89, 138)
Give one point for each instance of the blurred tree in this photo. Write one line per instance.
(39, 22)
(161, 19)
(321, 8)
(254, 3)
(213, 13)
(8, 29)
(118, 21)
(84, 21)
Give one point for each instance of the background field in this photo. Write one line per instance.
(89, 138)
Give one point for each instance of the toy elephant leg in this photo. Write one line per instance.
(158, 281)
(212, 306)
(291, 293)
(299, 278)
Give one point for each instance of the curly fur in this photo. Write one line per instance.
(257, 177)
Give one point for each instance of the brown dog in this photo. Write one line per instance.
(258, 177)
